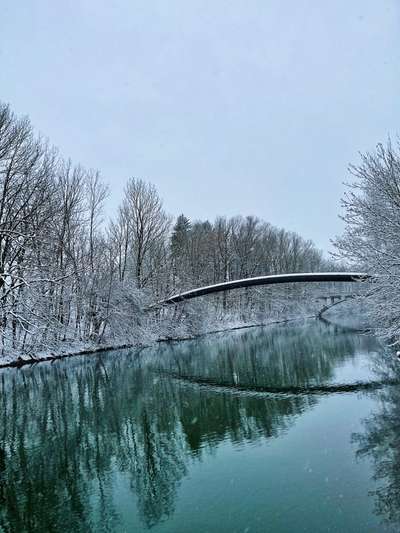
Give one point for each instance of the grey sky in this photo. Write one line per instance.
(241, 107)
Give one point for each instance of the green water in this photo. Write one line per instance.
(281, 429)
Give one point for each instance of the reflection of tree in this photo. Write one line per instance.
(282, 357)
(381, 442)
(300, 357)
(162, 465)
(67, 429)
(64, 433)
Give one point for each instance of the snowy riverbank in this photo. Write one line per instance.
(73, 350)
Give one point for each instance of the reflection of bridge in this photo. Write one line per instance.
(310, 277)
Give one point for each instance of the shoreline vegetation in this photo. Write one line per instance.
(94, 350)
(26, 360)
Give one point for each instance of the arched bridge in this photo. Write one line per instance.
(310, 277)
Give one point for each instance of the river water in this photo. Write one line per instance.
(277, 429)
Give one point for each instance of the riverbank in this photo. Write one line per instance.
(75, 350)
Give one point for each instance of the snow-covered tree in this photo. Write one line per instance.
(371, 239)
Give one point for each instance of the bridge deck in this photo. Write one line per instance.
(304, 277)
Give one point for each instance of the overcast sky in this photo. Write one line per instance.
(228, 107)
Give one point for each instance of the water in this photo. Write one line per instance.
(282, 429)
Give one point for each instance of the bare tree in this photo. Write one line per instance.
(147, 224)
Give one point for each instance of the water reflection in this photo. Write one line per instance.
(70, 432)
(381, 442)
(300, 361)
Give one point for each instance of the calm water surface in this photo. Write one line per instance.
(280, 429)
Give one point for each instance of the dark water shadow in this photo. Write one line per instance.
(335, 388)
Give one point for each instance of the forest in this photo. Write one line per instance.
(72, 277)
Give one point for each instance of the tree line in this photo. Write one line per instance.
(68, 275)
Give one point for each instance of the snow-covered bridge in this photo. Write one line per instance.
(304, 277)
